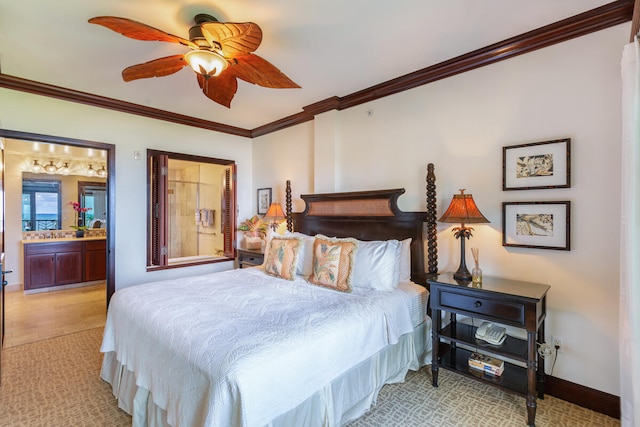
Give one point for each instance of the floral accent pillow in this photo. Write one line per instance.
(281, 257)
(332, 264)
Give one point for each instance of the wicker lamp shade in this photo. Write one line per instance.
(463, 210)
(275, 214)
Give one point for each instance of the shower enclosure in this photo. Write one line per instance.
(195, 189)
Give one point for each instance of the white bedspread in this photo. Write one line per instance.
(240, 347)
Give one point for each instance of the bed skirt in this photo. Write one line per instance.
(344, 399)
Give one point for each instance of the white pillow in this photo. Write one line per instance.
(375, 265)
(305, 254)
(405, 261)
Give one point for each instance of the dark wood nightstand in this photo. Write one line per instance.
(501, 301)
(250, 257)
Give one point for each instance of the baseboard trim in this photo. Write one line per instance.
(586, 397)
(63, 287)
(13, 287)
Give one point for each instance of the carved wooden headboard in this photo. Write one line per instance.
(365, 215)
(373, 215)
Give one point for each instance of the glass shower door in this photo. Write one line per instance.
(183, 229)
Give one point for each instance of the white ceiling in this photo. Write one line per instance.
(329, 47)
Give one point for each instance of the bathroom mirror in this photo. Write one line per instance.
(45, 202)
(93, 195)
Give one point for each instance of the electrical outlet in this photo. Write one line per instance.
(557, 342)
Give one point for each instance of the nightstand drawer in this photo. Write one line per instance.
(251, 259)
(487, 307)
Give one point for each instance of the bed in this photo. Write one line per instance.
(250, 347)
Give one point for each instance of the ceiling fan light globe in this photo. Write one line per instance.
(206, 62)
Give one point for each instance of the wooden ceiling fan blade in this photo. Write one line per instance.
(220, 89)
(234, 38)
(157, 68)
(254, 69)
(139, 31)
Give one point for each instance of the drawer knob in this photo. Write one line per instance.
(477, 304)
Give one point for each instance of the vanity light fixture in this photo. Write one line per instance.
(36, 167)
(51, 168)
(91, 171)
(64, 169)
(102, 172)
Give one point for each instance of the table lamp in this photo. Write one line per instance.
(275, 214)
(463, 210)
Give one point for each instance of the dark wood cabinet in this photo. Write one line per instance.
(48, 264)
(68, 267)
(507, 302)
(95, 260)
(39, 271)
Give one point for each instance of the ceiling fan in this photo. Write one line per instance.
(220, 54)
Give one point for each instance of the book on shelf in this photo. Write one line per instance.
(487, 364)
(485, 375)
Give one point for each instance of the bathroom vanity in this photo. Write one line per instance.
(63, 261)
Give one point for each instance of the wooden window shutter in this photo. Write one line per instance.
(159, 168)
(229, 211)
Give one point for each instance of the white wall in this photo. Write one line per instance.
(461, 124)
(282, 156)
(30, 113)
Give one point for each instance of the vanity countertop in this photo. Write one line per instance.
(63, 239)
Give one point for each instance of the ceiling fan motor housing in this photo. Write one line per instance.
(201, 18)
(195, 32)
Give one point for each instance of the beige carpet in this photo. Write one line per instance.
(56, 382)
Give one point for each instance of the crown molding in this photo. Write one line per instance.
(38, 88)
(579, 25)
(609, 15)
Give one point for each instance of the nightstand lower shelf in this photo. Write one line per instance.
(513, 348)
(513, 379)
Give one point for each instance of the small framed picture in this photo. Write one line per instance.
(264, 200)
(540, 225)
(537, 165)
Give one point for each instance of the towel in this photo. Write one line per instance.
(210, 217)
(205, 217)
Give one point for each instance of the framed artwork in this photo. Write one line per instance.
(540, 225)
(264, 200)
(537, 165)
